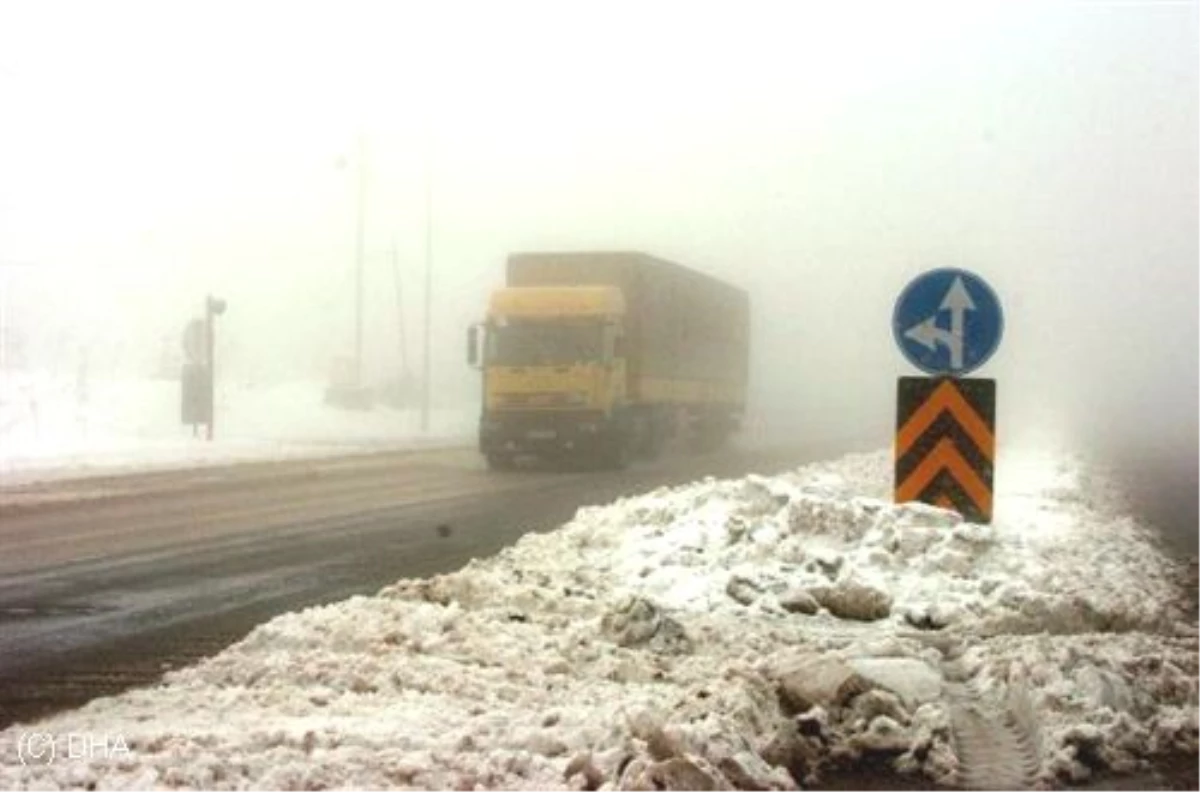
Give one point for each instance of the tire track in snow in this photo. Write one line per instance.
(997, 747)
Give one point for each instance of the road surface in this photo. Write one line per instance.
(106, 582)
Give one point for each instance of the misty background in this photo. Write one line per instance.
(818, 156)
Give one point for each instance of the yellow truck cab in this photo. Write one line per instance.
(599, 356)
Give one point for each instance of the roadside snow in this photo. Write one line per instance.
(687, 639)
(52, 428)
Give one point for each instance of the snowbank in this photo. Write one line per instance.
(687, 638)
(53, 428)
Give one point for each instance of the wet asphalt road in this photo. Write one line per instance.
(105, 583)
(106, 589)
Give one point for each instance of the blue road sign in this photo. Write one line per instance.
(948, 321)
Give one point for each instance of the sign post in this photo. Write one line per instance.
(212, 309)
(196, 407)
(198, 376)
(947, 322)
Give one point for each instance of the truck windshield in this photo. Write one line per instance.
(544, 344)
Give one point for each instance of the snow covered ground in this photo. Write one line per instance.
(52, 427)
(755, 633)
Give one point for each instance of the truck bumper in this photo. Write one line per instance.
(547, 433)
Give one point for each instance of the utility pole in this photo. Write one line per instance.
(425, 358)
(360, 223)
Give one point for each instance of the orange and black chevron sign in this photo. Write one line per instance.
(946, 443)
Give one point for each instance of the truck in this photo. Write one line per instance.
(600, 357)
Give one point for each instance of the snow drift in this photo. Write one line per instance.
(754, 633)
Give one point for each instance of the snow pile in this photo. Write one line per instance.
(755, 633)
(52, 426)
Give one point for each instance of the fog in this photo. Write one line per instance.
(820, 157)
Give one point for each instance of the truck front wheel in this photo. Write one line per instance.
(498, 461)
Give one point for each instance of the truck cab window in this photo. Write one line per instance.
(544, 344)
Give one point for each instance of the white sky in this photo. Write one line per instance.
(819, 154)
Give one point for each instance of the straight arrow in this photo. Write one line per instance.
(957, 301)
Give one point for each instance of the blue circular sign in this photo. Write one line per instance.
(948, 322)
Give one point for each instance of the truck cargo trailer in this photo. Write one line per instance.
(603, 356)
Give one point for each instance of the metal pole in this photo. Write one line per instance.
(358, 261)
(426, 357)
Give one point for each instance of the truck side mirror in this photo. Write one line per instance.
(473, 345)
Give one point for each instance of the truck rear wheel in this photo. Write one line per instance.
(711, 432)
(615, 453)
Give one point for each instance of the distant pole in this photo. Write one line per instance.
(360, 223)
(426, 362)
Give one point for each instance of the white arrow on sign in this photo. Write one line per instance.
(926, 332)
